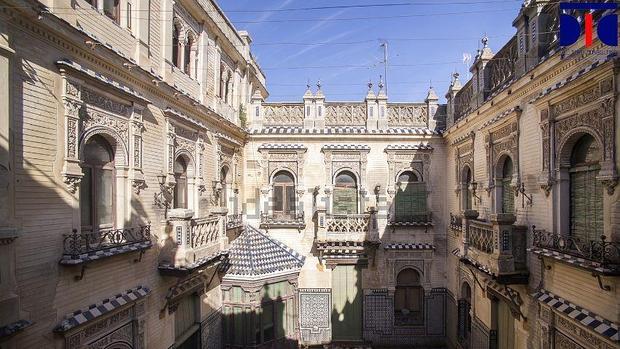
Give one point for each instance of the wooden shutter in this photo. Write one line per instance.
(586, 197)
(184, 316)
(410, 202)
(508, 196)
(345, 201)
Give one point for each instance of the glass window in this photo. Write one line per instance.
(223, 182)
(284, 195)
(129, 15)
(586, 192)
(410, 200)
(97, 185)
(408, 298)
(111, 9)
(180, 189)
(176, 45)
(187, 59)
(345, 194)
(467, 199)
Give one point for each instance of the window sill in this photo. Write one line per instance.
(84, 258)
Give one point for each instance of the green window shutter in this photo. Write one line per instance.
(586, 209)
(345, 201)
(347, 303)
(410, 202)
(508, 196)
(505, 326)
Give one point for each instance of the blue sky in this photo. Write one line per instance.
(426, 40)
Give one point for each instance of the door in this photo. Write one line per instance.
(347, 303)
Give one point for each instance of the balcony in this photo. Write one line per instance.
(80, 248)
(194, 244)
(496, 247)
(226, 111)
(415, 220)
(234, 221)
(456, 224)
(285, 221)
(598, 256)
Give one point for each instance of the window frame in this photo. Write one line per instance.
(116, 14)
(181, 178)
(96, 171)
(289, 209)
(412, 195)
(344, 186)
(409, 290)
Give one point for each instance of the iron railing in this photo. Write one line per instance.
(78, 243)
(456, 222)
(606, 253)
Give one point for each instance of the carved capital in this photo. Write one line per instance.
(72, 182)
(610, 185)
(138, 185)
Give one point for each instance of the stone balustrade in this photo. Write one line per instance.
(347, 227)
(234, 221)
(496, 245)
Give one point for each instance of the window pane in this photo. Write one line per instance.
(267, 322)
(290, 199)
(345, 179)
(86, 197)
(110, 8)
(278, 198)
(407, 176)
(283, 177)
(104, 184)
(180, 193)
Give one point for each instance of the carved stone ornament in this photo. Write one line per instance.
(72, 182)
(138, 185)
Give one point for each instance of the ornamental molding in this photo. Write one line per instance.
(501, 141)
(282, 159)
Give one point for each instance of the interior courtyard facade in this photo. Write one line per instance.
(152, 197)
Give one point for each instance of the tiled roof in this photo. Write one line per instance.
(409, 147)
(576, 261)
(346, 147)
(289, 146)
(94, 311)
(14, 327)
(343, 130)
(600, 325)
(197, 264)
(67, 259)
(254, 253)
(409, 246)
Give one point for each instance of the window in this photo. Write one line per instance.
(408, 298)
(586, 192)
(128, 15)
(466, 183)
(187, 59)
(97, 185)
(410, 200)
(180, 189)
(223, 181)
(284, 195)
(506, 192)
(464, 316)
(176, 45)
(92, 3)
(111, 9)
(345, 194)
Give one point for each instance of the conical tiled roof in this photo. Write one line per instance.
(254, 254)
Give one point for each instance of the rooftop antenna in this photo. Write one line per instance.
(385, 64)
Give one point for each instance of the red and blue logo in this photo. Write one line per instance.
(606, 28)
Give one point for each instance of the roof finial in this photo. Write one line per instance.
(318, 84)
(369, 84)
(308, 85)
(381, 82)
(485, 40)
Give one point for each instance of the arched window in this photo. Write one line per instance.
(408, 298)
(464, 316)
(466, 183)
(176, 45)
(97, 185)
(223, 182)
(410, 200)
(284, 195)
(586, 192)
(506, 192)
(345, 194)
(187, 59)
(180, 189)
(112, 9)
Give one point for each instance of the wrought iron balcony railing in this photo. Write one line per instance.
(78, 243)
(234, 221)
(602, 252)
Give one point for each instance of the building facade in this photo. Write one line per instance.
(152, 198)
